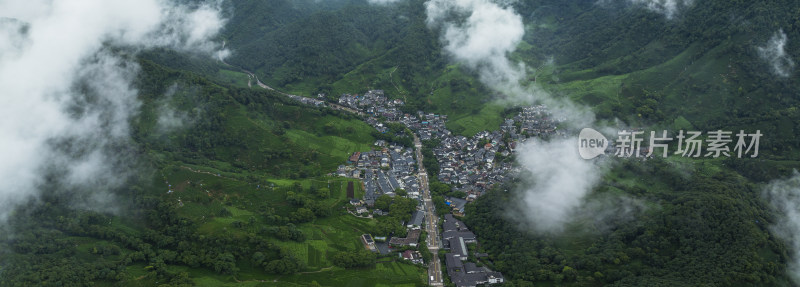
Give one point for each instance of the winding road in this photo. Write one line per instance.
(252, 75)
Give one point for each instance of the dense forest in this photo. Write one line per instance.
(650, 66)
(710, 229)
(351, 47)
(705, 223)
(701, 66)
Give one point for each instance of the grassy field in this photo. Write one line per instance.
(233, 78)
(203, 194)
(488, 118)
(201, 190)
(382, 274)
(280, 139)
(339, 233)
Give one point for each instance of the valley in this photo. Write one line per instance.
(396, 143)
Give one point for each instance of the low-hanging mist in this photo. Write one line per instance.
(557, 181)
(668, 8)
(784, 195)
(481, 34)
(774, 53)
(66, 72)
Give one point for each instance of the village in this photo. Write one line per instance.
(384, 171)
(470, 166)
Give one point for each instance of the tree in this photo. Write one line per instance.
(258, 258)
(330, 128)
(224, 212)
(569, 273)
(285, 265)
(295, 199)
(457, 194)
(383, 202)
(302, 215)
(402, 208)
(323, 193)
(438, 187)
(225, 263)
(361, 258)
(441, 206)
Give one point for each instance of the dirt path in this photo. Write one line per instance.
(207, 172)
(318, 271)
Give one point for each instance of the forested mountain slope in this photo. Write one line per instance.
(703, 64)
(702, 222)
(230, 185)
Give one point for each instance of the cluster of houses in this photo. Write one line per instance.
(374, 103)
(534, 121)
(384, 171)
(308, 101)
(412, 255)
(455, 238)
(472, 165)
(377, 106)
(427, 126)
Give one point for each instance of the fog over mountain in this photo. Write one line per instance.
(774, 53)
(668, 8)
(784, 195)
(66, 74)
(481, 35)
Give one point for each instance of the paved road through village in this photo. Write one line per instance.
(432, 224)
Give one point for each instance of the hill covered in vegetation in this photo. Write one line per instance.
(233, 184)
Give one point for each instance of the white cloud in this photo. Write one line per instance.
(481, 34)
(668, 8)
(774, 53)
(67, 98)
(189, 29)
(559, 183)
(170, 119)
(784, 195)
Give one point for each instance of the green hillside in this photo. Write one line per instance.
(232, 191)
(355, 47)
(701, 66)
(242, 130)
(698, 71)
